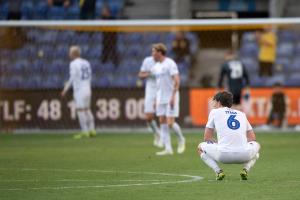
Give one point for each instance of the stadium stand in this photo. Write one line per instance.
(49, 60)
(287, 66)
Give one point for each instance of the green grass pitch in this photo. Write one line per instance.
(124, 166)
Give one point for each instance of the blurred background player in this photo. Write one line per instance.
(236, 139)
(278, 102)
(167, 99)
(237, 77)
(150, 97)
(80, 78)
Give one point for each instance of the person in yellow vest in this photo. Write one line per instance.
(267, 41)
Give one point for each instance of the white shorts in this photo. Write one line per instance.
(214, 151)
(166, 110)
(82, 99)
(149, 104)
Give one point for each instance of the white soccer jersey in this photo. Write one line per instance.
(147, 66)
(164, 71)
(80, 75)
(231, 127)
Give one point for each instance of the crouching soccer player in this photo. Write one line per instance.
(236, 140)
(80, 78)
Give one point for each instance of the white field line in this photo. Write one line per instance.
(189, 179)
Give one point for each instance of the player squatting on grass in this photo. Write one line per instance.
(236, 142)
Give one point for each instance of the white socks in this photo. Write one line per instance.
(154, 127)
(90, 120)
(86, 120)
(165, 133)
(210, 162)
(82, 121)
(251, 163)
(178, 132)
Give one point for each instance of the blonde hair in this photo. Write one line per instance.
(160, 47)
(75, 51)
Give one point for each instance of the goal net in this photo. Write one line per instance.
(34, 66)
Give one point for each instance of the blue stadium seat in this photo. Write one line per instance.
(41, 10)
(285, 49)
(3, 10)
(73, 12)
(283, 63)
(257, 81)
(293, 80)
(251, 64)
(276, 78)
(248, 37)
(287, 36)
(249, 50)
(56, 13)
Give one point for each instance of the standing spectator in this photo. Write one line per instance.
(14, 10)
(64, 3)
(167, 99)
(109, 40)
(278, 110)
(87, 9)
(237, 77)
(181, 47)
(267, 41)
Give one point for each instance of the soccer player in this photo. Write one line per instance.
(167, 99)
(80, 78)
(236, 140)
(237, 77)
(150, 97)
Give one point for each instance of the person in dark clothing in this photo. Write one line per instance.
(181, 46)
(14, 10)
(237, 77)
(278, 110)
(87, 9)
(60, 3)
(109, 40)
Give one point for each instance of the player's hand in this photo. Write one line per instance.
(172, 102)
(62, 94)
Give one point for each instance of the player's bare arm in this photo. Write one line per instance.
(176, 80)
(143, 75)
(251, 136)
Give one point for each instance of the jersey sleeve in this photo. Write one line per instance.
(73, 72)
(173, 68)
(144, 67)
(211, 123)
(249, 127)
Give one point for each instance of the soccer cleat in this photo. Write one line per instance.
(81, 135)
(92, 133)
(181, 147)
(244, 174)
(220, 175)
(164, 153)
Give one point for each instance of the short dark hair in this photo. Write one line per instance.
(225, 98)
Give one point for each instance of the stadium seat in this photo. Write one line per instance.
(249, 50)
(248, 37)
(287, 36)
(251, 64)
(292, 80)
(73, 12)
(56, 13)
(285, 49)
